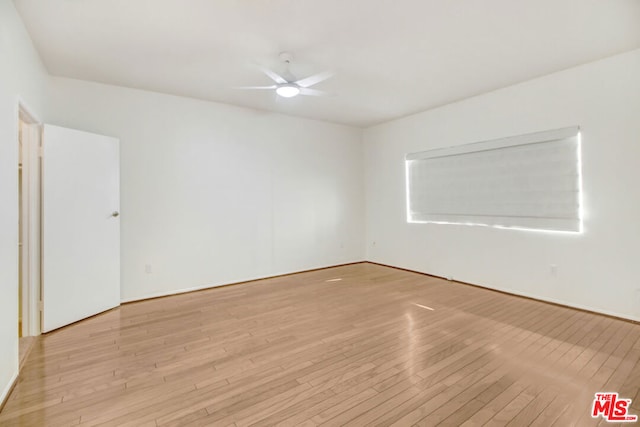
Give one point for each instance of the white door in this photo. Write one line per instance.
(81, 225)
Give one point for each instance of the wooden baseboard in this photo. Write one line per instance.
(22, 360)
(558, 304)
(209, 287)
(8, 391)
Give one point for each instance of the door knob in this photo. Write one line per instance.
(115, 214)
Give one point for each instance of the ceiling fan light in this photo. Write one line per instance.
(288, 90)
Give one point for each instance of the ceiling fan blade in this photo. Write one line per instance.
(312, 92)
(315, 79)
(273, 75)
(257, 87)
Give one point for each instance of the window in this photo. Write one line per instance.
(529, 181)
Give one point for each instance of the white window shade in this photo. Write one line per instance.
(530, 181)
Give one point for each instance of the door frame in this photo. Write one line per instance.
(31, 218)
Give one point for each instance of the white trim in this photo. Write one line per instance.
(24, 248)
(559, 302)
(407, 188)
(182, 291)
(515, 293)
(34, 231)
(580, 185)
(22, 105)
(216, 285)
(5, 393)
(500, 227)
(511, 141)
(31, 216)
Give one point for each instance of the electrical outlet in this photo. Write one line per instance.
(553, 269)
(148, 269)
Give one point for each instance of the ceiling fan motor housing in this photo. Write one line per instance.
(288, 90)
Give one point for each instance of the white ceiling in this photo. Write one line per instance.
(391, 58)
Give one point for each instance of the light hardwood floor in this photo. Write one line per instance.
(25, 344)
(380, 346)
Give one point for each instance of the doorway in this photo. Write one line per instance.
(29, 230)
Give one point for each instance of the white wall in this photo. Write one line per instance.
(597, 270)
(22, 76)
(214, 194)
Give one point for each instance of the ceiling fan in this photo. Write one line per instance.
(287, 85)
